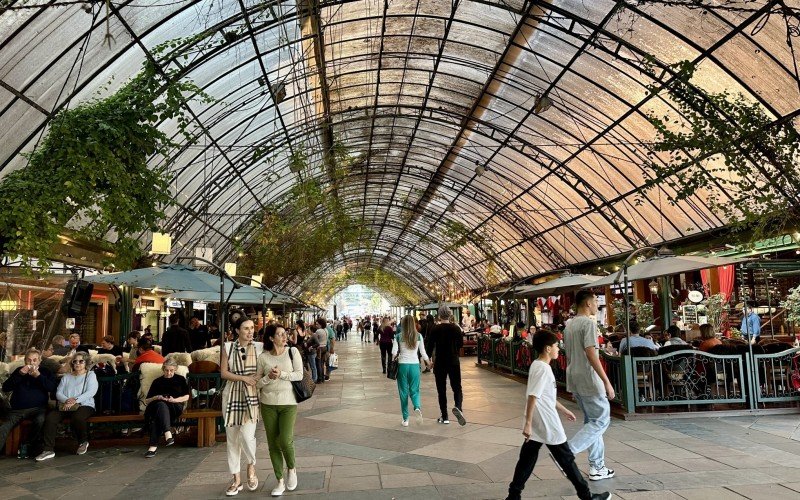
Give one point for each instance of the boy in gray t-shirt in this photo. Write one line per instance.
(587, 381)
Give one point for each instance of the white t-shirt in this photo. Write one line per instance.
(547, 427)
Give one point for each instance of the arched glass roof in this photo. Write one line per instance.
(427, 94)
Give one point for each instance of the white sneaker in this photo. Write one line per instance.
(291, 480)
(418, 415)
(45, 455)
(83, 447)
(278, 490)
(405, 423)
(602, 473)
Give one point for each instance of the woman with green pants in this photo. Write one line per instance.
(281, 366)
(408, 347)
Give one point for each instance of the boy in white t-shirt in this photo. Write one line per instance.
(543, 426)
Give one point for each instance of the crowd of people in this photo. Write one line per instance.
(259, 368)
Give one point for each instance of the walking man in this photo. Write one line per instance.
(446, 340)
(587, 381)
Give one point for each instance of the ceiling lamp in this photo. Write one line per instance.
(161, 244)
(7, 302)
(479, 169)
(542, 104)
(451, 207)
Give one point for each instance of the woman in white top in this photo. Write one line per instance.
(280, 366)
(407, 344)
(238, 365)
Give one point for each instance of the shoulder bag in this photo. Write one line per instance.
(393, 365)
(304, 388)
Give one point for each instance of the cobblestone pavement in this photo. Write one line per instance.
(350, 445)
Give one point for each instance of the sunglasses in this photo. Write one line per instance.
(243, 351)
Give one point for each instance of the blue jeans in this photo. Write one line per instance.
(312, 362)
(596, 419)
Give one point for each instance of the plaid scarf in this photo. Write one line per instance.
(242, 405)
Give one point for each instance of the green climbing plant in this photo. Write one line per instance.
(724, 145)
(90, 172)
(305, 227)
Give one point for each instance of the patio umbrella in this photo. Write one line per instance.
(245, 295)
(665, 265)
(176, 277)
(564, 283)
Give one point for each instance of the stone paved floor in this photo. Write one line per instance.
(350, 445)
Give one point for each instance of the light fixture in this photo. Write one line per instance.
(653, 285)
(451, 207)
(164, 314)
(542, 104)
(479, 169)
(162, 244)
(230, 268)
(7, 302)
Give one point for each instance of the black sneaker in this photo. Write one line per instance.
(459, 416)
(150, 454)
(170, 441)
(442, 420)
(601, 496)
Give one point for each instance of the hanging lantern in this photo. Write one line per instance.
(162, 244)
(230, 268)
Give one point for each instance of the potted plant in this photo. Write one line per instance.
(792, 306)
(715, 309)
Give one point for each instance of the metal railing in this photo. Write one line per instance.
(773, 376)
(119, 394)
(688, 378)
(612, 365)
(206, 389)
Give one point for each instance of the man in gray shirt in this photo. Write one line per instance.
(587, 381)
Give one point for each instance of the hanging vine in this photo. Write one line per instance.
(90, 171)
(725, 146)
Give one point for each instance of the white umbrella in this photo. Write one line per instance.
(166, 277)
(665, 265)
(244, 295)
(564, 283)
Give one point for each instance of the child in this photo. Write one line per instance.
(542, 425)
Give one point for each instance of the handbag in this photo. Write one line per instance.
(392, 368)
(62, 407)
(795, 375)
(333, 361)
(303, 389)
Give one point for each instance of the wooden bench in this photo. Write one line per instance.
(206, 426)
(204, 408)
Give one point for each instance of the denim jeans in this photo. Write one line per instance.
(312, 363)
(596, 419)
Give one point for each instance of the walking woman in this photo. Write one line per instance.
(385, 336)
(408, 345)
(239, 365)
(75, 397)
(164, 402)
(280, 366)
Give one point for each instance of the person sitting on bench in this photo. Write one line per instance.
(30, 385)
(164, 401)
